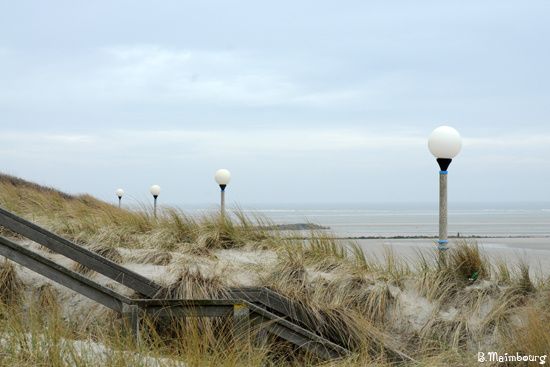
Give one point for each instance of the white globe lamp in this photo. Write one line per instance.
(445, 142)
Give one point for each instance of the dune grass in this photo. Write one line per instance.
(40, 336)
(388, 311)
(92, 222)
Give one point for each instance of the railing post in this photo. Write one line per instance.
(241, 323)
(130, 316)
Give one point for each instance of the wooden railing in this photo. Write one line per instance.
(260, 307)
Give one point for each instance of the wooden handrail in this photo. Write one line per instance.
(79, 254)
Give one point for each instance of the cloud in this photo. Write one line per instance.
(294, 139)
(285, 142)
(515, 141)
(153, 144)
(20, 137)
(209, 76)
(151, 74)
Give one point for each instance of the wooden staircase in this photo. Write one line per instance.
(260, 308)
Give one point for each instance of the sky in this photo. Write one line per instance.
(303, 101)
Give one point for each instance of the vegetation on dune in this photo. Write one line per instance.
(37, 335)
(389, 311)
(92, 222)
(10, 285)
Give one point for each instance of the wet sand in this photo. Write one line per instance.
(534, 251)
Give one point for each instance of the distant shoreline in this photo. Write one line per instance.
(430, 237)
(294, 227)
(317, 227)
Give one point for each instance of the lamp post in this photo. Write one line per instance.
(222, 177)
(155, 191)
(120, 194)
(444, 143)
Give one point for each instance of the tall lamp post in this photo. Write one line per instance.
(155, 191)
(445, 143)
(222, 177)
(120, 194)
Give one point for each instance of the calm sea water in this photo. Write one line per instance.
(412, 220)
(499, 221)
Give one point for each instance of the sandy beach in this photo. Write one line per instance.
(535, 251)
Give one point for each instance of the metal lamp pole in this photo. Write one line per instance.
(444, 143)
(443, 210)
(222, 202)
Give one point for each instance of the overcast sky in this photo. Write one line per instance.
(303, 101)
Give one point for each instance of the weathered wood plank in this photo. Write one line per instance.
(79, 254)
(184, 302)
(189, 311)
(241, 322)
(294, 310)
(131, 318)
(276, 302)
(62, 275)
(298, 335)
(243, 312)
(319, 348)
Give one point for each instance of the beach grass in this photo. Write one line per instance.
(388, 310)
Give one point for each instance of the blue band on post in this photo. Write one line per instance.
(443, 172)
(442, 244)
(442, 241)
(442, 247)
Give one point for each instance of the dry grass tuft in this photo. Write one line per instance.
(532, 335)
(446, 334)
(466, 261)
(11, 287)
(219, 233)
(503, 272)
(438, 285)
(193, 284)
(324, 252)
(289, 275)
(524, 283)
(503, 310)
(48, 298)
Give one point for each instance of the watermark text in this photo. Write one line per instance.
(483, 357)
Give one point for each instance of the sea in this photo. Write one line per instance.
(515, 231)
(408, 220)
